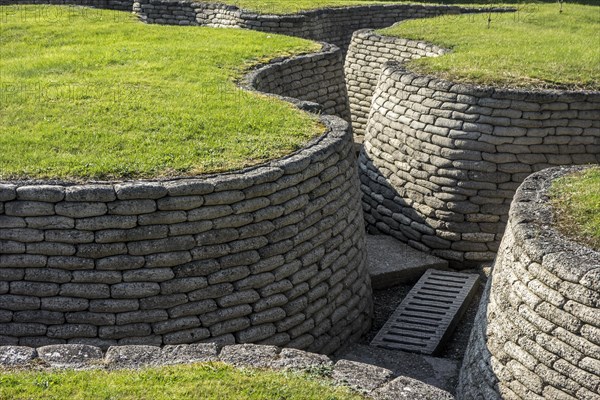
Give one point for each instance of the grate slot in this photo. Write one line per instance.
(410, 334)
(393, 340)
(429, 313)
(434, 300)
(425, 310)
(412, 303)
(437, 289)
(404, 333)
(448, 274)
(411, 329)
(421, 316)
(426, 292)
(430, 283)
(447, 280)
(407, 321)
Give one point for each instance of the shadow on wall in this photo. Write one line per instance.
(389, 210)
(417, 216)
(478, 357)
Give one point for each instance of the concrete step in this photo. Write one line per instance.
(429, 313)
(391, 262)
(438, 372)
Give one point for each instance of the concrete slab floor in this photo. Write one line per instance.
(391, 262)
(439, 372)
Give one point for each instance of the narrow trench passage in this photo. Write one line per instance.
(385, 301)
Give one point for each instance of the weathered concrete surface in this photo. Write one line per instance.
(74, 356)
(439, 372)
(391, 262)
(15, 356)
(410, 389)
(361, 376)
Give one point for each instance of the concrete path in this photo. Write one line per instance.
(438, 372)
(392, 262)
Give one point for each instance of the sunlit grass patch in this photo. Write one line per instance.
(96, 94)
(539, 46)
(196, 381)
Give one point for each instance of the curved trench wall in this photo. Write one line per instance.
(333, 25)
(441, 161)
(273, 254)
(366, 56)
(318, 80)
(537, 332)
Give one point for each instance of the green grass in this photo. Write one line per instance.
(95, 94)
(576, 202)
(536, 47)
(289, 6)
(196, 381)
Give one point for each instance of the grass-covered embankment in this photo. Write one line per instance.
(290, 7)
(538, 47)
(195, 381)
(576, 202)
(96, 94)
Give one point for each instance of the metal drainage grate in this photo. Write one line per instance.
(429, 313)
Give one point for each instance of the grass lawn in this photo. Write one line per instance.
(95, 94)
(537, 47)
(196, 381)
(576, 200)
(289, 6)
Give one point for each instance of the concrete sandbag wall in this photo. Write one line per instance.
(273, 254)
(442, 160)
(537, 332)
